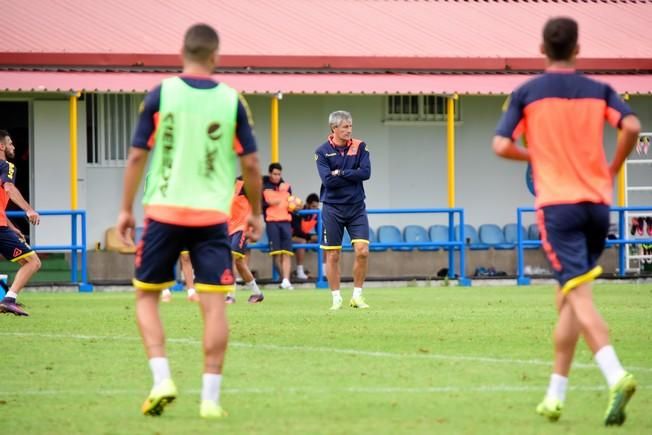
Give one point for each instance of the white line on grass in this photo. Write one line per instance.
(319, 390)
(320, 349)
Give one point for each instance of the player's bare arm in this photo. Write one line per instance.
(506, 148)
(133, 174)
(630, 127)
(17, 198)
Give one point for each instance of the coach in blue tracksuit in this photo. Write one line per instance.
(343, 164)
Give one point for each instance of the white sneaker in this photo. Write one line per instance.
(302, 275)
(166, 295)
(286, 285)
(337, 304)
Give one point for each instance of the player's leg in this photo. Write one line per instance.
(210, 254)
(239, 253)
(358, 228)
(331, 243)
(285, 229)
(188, 276)
(17, 251)
(275, 244)
(300, 255)
(566, 335)
(155, 261)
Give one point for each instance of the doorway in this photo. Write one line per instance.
(14, 117)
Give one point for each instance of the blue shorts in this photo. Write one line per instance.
(12, 247)
(573, 237)
(336, 217)
(280, 238)
(238, 244)
(159, 248)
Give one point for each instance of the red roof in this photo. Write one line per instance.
(35, 81)
(355, 34)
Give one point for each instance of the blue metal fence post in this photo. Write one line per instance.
(321, 283)
(463, 280)
(73, 251)
(451, 249)
(84, 285)
(521, 279)
(621, 247)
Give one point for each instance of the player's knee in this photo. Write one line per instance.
(334, 256)
(361, 250)
(34, 262)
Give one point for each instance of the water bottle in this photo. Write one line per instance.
(4, 285)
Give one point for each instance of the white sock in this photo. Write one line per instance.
(357, 292)
(300, 269)
(210, 389)
(253, 285)
(285, 282)
(166, 291)
(232, 294)
(609, 365)
(11, 294)
(160, 369)
(557, 387)
(191, 291)
(336, 295)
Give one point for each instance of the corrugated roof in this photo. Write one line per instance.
(484, 84)
(481, 35)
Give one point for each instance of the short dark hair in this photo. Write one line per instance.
(560, 38)
(3, 134)
(273, 166)
(200, 42)
(313, 197)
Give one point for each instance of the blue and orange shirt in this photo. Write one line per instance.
(562, 114)
(354, 164)
(240, 208)
(272, 193)
(7, 175)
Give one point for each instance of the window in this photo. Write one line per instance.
(110, 122)
(420, 108)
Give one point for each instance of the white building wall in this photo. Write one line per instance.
(51, 166)
(408, 161)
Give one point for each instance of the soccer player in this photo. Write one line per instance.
(12, 242)
(188, 277)
(278, 221)
(562, 114)
(304, 231)
(196, 129)
(343, 164)
(240, 211)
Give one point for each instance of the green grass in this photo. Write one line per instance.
(421, 360)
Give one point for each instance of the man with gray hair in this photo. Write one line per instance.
(343, 164)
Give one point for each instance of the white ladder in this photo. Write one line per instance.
(640, 160)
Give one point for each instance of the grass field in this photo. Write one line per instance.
(421, 360)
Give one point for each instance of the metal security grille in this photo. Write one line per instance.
(419, 108)
(111, 119)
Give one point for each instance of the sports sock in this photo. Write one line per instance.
(253, 285)
(609, 365)
(336, 295)
(12, 295)
(210, 389)
(357, 292)
(557, 387)
(300, 269)
(160, 369)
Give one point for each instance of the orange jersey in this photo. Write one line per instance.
(272, 193)
(240, 209)
(7, 175)
(563, 114)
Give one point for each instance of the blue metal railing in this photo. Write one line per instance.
(621, 242)
(451, 245)
(78, 276)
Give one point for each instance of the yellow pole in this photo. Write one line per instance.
(451, 150)
(73, 151)
(622, 174)
(274, 129)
